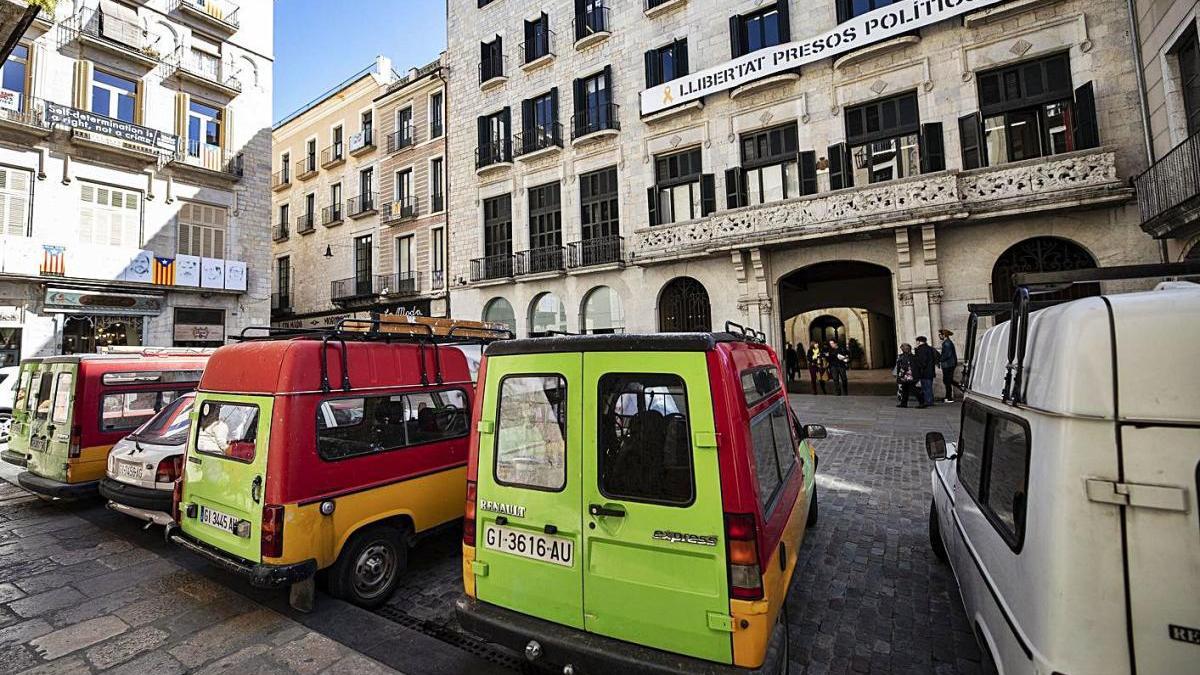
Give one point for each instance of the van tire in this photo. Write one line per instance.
(369, 567)
(812, 509)
(935, 534)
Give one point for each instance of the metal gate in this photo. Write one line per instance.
(684, 307)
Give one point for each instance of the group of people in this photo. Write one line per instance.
(917, 369)
(825, 363)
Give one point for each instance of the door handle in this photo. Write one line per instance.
(256, 489)
(782, 556)
(598, 510)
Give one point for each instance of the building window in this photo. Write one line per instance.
(848, 9)
(681, 192)
(14, 75)
(310, 155)
(285, 167)
(666, 63)
(335, 202)
(491, 59)
(545, 228)
(204, 131)
(14, 201)
(497, 236)
(437, 193)
(336, 146)
(310, 206)
(404, 257)
(594, 109)
(602, 312)
(766, 27)
(404, 128)
(537, 38)
(494, 143)
(772, 169)
(435, 114)
(283, 281)
(499, 310)
(404, 190)
(881, 142)
(114, 96)
(109, 216)
(598, 214)
(367, 123)
(683, 306)
(1187, 52)
(197, 327)
(202, 230)
(363, 256)
(539, 122)
(284, 215)
(547, 315)
(366, 180)
(437, 257)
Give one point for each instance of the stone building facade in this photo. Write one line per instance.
(891, 184)
(134, 176)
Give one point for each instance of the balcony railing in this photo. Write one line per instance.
(496, 152)
(401, 209)
(281, 303)
(1168, 192)
(22, 110)
(437, 202)
(540, 46)
(400, 283)
(221, 11)
(595, 251)
(112, 133)
(595, 118)
(333, 154)
(281, 178)
(539, 138)
(360, 205)
(362, 141)
(492, 67)
(403, 137)
(353, 288)
(280, 232)
(492, 267)
(539, 260)
(204, 67)
(592, 22)
(437, 280)
(304, 223)
(331, 214)
(210, 157)
(306, 167)
(112, 32)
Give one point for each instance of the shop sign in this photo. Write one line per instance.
(125, 131)
(11, 314)
(99, 302)
(10, 100)
(193, 332)
(874, 26)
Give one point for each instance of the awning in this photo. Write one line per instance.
(112, 303)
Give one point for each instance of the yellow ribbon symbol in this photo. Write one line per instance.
(667, 98)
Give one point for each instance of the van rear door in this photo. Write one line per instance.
(654, 551)
(50, 438)
(528, 519)
(1162, 472)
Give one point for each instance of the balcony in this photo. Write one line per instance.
(545, 260)
(362, 205)
(592, 26)
(437, 280)
(494, 155)
(207, 70)
(23, 114)
(307, 167)
(596, 251)
(594, 123)
(304, 223)
(400, 210)
(208, 161)
(281, 303)
(362, 143)
(112, 135)
(397, 285)
(492, 267)
(219, 14)
(1087, 178)
(539, 141)
(280, 232)
(333, 155)
(402, 138)
(281, 179)
(653, 8)
(332, 215)
(538, 52)
(1168, 192)
(119, 35)
(493, 71)
(354, 288)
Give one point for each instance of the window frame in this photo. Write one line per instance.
(980, 496)
(772, 501)
(159, 405)
(194, 434)
(114, 94)
(743, 21)
(404, 393)
(58, 391)
(592, 224)
(566, 432)
(751, 403)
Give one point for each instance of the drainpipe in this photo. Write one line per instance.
(1135, 40)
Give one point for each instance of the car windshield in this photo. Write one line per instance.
(169, 426)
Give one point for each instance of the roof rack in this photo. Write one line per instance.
(1029, 284)
(155, 351)
(747, 334)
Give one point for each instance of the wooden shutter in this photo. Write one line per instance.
(1087, 131)
(554, 114)
(807, 163)
(183, 103)
(82, 95)
(735, 36)
(735, 189)
(652, 204)
(139, 103)
(87, 212)
(785, 21)
(933, 154)
(969, 127)
(839, 171)
(530, 29)
(14, 202)
(482, 129)
(226, 131)
(527, 115)
(651, 57)
(708, 194)
(681, 57)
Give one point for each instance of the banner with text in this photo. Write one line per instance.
(874, 26)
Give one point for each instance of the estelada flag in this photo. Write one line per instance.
(164, 271)
(53, 261)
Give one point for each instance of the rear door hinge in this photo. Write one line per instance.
(1163, 497)
(479, 568)
(721, 622)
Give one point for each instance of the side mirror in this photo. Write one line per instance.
(935, 445)
(815, 431)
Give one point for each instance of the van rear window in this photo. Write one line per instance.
(22, 399)
(774, 452)
(42, 403)
(132, 409)
(531, 433)
(759, 383)
(644, 446)
(349, 427)
(62, 398)
(228, 430)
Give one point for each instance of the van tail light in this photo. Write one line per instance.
(469, 515)
(741, 537)
(168, 469)
(176, 500)
(272, 531)
(74, 448)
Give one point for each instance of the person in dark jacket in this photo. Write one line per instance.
(818, 368)
(839, 361)
(948, 362)
(905, 372)
(927, 359)
(791, 360)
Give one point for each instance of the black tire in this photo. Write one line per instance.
(812, 509)
(369, 567)
(785, 665)
(935, 534)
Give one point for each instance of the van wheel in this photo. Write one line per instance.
(935, 534)
(812, 509)
(369, 566)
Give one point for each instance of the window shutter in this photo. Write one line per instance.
(226, 131)
(681, 57)
(82, 97)
(735, 191)
(808, 172)
(527, 115)
(530, 28)
(182, 105)
(785, 21)
(968, 138)
(652, 204)
(557, 135)
(1087, 131)
(481, 131)
(139, 104)
(839, 172)
(651, 59)
(708, 194)
(930, 147)
(735, 36)
(608, 84)
(577, 103)
(506, 138)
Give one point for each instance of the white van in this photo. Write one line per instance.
(1067, 508)
(143, 466)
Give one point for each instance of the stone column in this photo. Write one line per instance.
(754, 293)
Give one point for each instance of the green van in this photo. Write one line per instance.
(19, 428)
(635, 503)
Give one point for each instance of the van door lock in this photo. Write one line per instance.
(256, 489)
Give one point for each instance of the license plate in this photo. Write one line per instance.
(37, 444)
(221, 521)
(128, 470)
(530, 545)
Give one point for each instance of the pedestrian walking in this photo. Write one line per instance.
(791, 360)
(818, 370)
(948, 362)
(905, 372)
(839, 362)
(926, 358)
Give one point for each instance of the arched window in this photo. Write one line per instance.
(683, 307)
(498, 310)
(546, 315)
(825, 328)
(602, 312)
(1042, 254)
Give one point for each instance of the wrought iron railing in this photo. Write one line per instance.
(280, 232)
(361, 204)
(595, 118)
(307, 166)
(401, 138)
(437, 279)
(281, 302)
(492, 67)
(492, 267)
(281, 178)
(595, 251)
(539, 138)
(399, 283)
(222, 10)
(538, 260)
(354, 287)
(22, 109)
(437, 202)
(541, 45)
(196, 152)
(1171, 182)
(206, 66)
(335, 152)
(496, 152)
(592, 21)
(331, 214)
(401, 209)
(113, 30)
(304, 223)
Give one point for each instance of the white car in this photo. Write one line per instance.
(8, 396)
(143, 466)
(1067, 508)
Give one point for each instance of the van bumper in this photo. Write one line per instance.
(261, 575)
(147, 499)
(590, 653)
(13, 457)
(57, 489)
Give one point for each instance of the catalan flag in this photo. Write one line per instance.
(164, 271)
(53, 262)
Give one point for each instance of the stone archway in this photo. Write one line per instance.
(1042, 254)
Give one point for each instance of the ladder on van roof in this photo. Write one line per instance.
(1029, 284)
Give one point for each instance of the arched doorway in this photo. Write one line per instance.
(499, 310)
(547, 315)
(1042, 254)
(602, 312)
(825, 328)
(683, 307)
(845, 300)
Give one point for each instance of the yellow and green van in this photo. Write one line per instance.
(18, 430)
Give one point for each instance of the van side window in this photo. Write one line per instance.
(436, 416)
(970, 447)
(22, 391)
(62, 398)
(644, 446)
(131, 409)
(227, 430)
(785, 445)
(350, 427)
(1008, 471)
(43, 396)
(774, 452)
(759, 383)
(531, 432)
